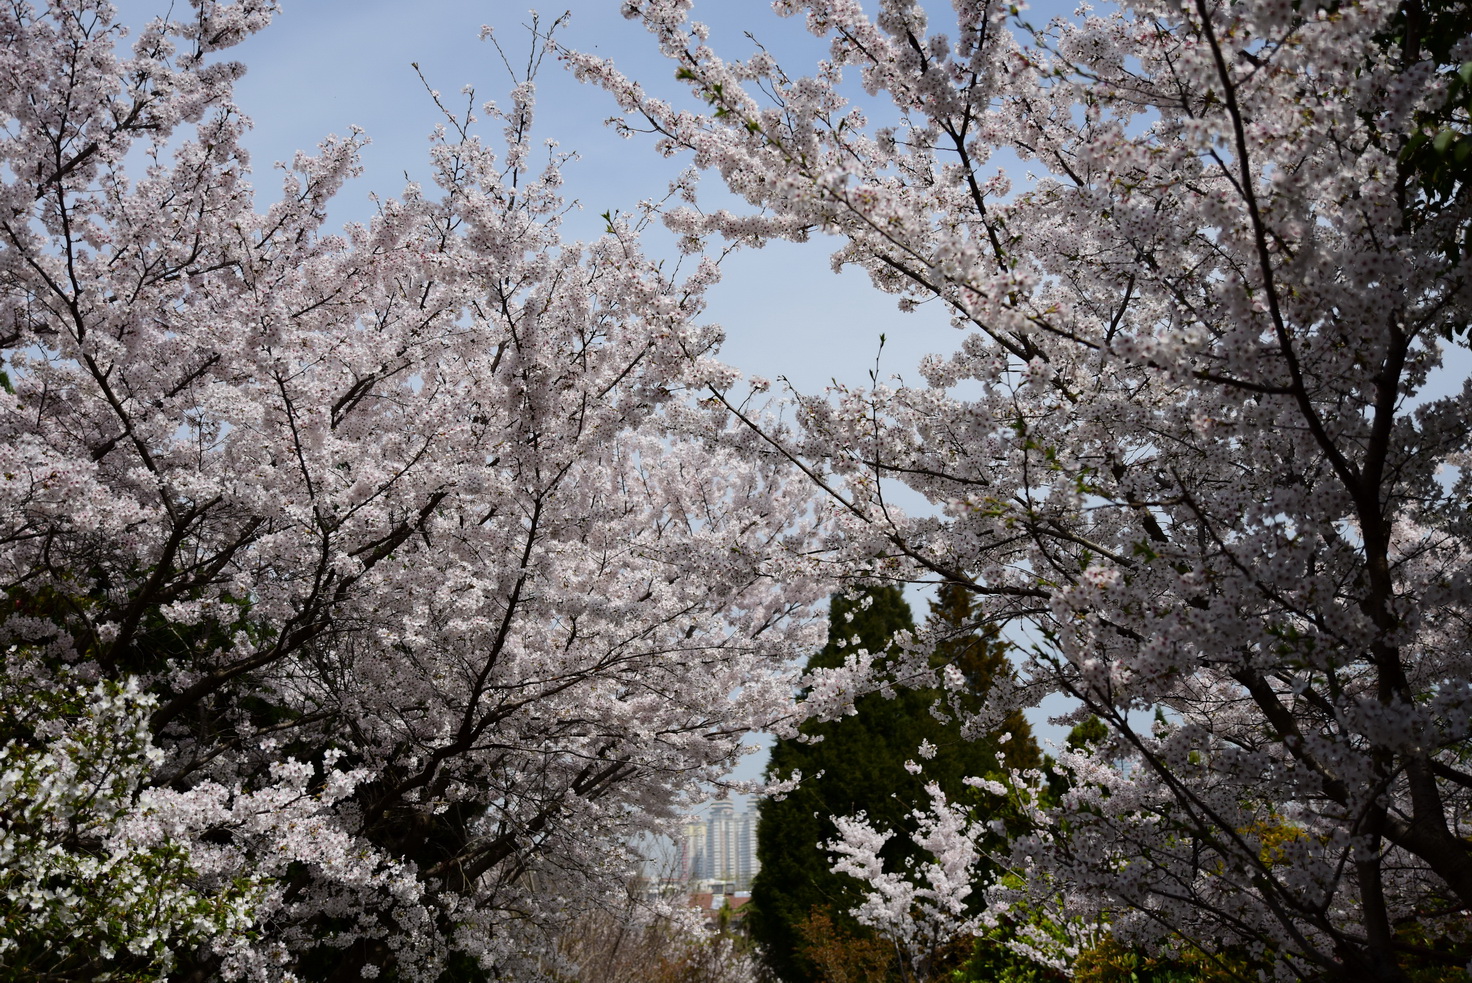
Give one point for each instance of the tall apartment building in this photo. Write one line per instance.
(720, 847)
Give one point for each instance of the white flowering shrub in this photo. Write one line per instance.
(82, 894)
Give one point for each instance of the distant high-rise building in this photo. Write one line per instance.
(720, 847)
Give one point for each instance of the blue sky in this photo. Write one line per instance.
(326, 65)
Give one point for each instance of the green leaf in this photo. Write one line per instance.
(1413, 145)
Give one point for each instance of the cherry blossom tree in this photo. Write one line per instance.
(400, 580)
(1195, 447)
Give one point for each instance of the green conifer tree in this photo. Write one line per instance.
(800, 908)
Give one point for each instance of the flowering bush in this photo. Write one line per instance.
(88, 895)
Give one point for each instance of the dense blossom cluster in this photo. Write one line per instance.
(391, 569)
(1187, 446)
